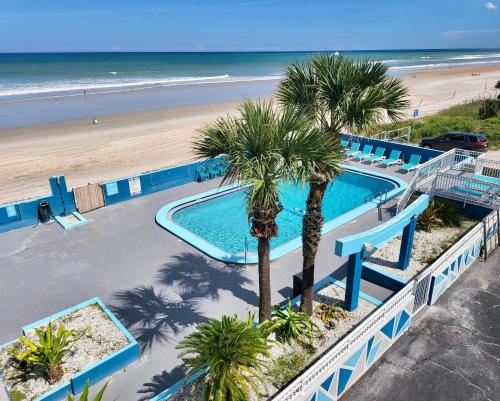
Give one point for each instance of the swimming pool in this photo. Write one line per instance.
(216, 221)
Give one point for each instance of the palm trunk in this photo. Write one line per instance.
(263, 249)
(312, 224)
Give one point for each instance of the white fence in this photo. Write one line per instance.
(308, 382)
(424, 175)
(399, 134)
(421, 291)
(467, 190)
(468, 161)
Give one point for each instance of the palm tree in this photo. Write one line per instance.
(261, 149)
(336, 93)
(229, 355)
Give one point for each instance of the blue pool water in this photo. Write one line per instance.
(223, 222)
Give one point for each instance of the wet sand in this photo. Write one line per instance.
(128, 144)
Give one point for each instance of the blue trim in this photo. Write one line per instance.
(407, 244)
(164, 219)
(81, 221)
(354, 268)
(331, 280)
(372, 273)
(98, 371)
(383, 233)
(170, 391)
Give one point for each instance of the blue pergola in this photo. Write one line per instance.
(359, 246)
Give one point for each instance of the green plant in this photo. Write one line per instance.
(338, 94)
(16, 395)
(290, 325)
(50, 351)
(229, 354)
(262, 147)
(328, 312)
(85, 393)
(439, 213)
(287, 367)
(488, 109)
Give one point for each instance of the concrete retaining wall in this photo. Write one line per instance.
(25, 213)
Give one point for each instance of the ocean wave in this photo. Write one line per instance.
(475, 56)
(122, 85)
(440, 65)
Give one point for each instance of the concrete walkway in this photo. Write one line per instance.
(452, 351)
(158, 286)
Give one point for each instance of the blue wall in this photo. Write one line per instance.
(119, 190)
(406, 150)
(25, 213)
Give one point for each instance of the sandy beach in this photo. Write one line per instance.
(128, 144)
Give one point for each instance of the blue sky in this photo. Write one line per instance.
(224, 25)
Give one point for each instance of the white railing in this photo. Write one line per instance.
(476, 163)
(461, 160)
(311, 378)
(467, 190)
(394, 135)
(424, 175)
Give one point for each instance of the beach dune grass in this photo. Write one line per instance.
(463, 117)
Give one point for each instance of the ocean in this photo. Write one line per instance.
(47, 88)
(25, 76)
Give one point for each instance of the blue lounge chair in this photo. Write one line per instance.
(486, 178)
(392, 159)
(344, 143)
(367, 151)
(354, 150)
(377, 156)
(213, 170)
(412, 164)
(202, 174)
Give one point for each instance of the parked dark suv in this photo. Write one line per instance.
(459, 140)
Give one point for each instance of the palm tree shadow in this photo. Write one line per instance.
(161, 382)
(152, 316)
(195, 276)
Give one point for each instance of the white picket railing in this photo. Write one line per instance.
(423, 176)
(467, 190)
(308, 381)
(457, 160)
(419, 289)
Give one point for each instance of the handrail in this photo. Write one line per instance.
(425, 173)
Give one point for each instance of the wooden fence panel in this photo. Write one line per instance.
(89, 197)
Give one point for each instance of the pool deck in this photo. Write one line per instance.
(157, 285)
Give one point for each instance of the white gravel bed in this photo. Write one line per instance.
(329, 294)
(98, 338)
(427, 247)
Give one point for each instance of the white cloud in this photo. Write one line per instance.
(489, 5)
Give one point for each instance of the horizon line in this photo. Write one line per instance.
(249, 51)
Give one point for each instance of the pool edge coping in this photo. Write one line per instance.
(162, 219)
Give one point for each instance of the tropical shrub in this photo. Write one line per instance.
(50, 351)
(289, 325)
(287, 367)
(229, 354)
(85, 393)
(488, 109)
(439, 213)
(328, 312)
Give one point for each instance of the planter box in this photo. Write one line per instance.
(97, 371)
